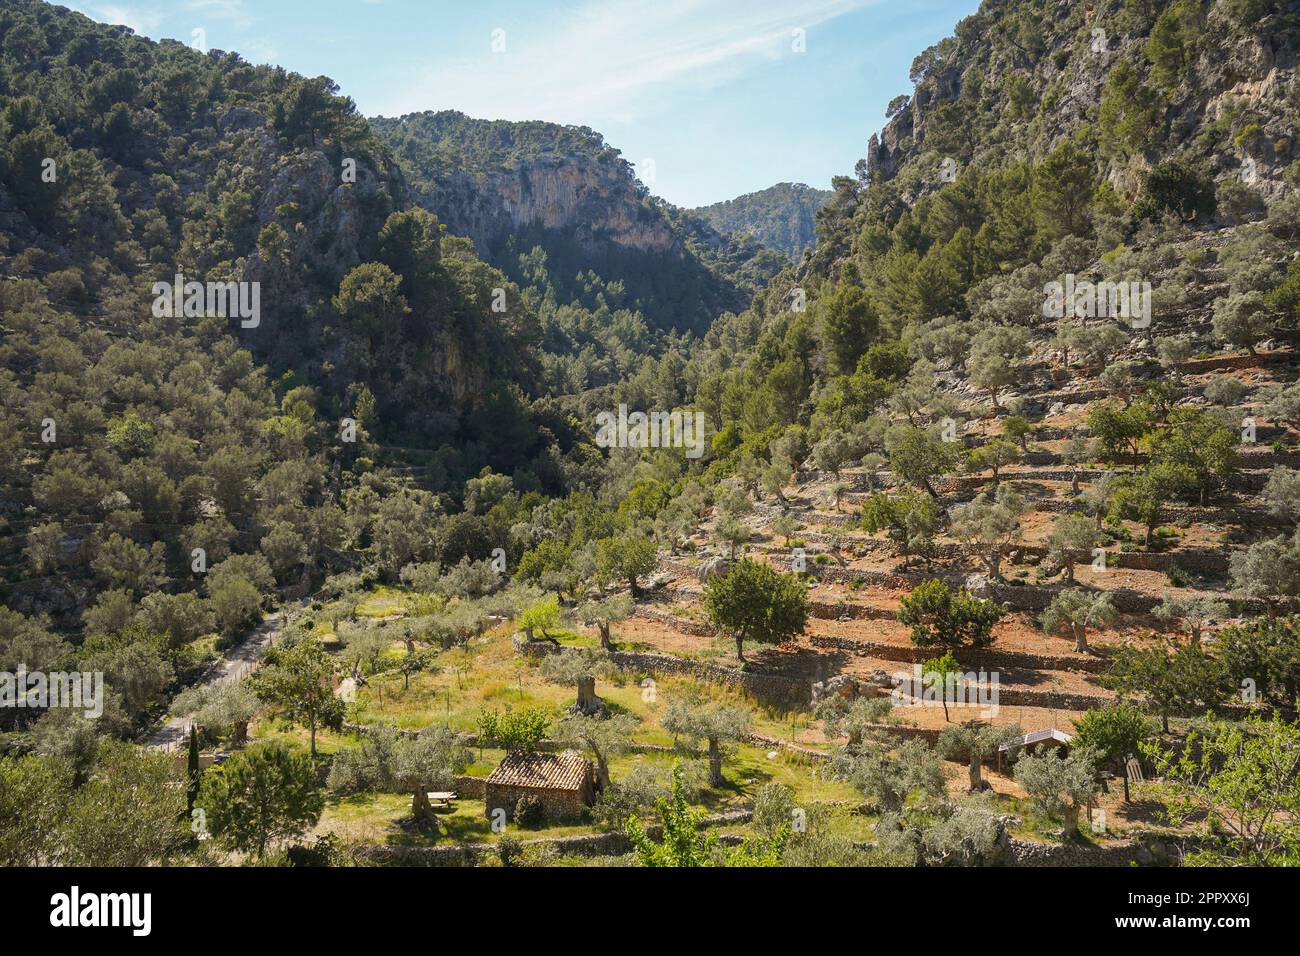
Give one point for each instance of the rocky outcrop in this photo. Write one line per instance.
(589, 202)
(1061, 64)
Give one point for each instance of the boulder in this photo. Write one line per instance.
(713, 568)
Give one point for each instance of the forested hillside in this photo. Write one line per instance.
(1042, 139)
(1035, 386)
(559, 209)
(387, 365)
(781, 217)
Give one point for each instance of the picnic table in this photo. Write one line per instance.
(441, 799)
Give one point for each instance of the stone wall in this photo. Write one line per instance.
(772, 688)
(685, 625)
(557, 804)
(805, 754)
(470, 788)
(857, 612)
(987, 659)
(1259, 360)
(614, 843)
(1027, 853)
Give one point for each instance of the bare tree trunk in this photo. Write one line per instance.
(603, 627)
(1081, 639)
(588, 702)
(1071, 819)
(976, 779)
(422, 811)
(994, 563)
(715, 763)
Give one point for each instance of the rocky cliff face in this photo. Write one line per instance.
(564, 197)
(589, 201)
(1210, 82)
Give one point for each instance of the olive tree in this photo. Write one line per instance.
(1282, 404)
(222, 708)
(1268, 570)
(857, 719)
(602, 736)
(1071, 534)
(833, 451)
(992, 456)
(717, 724)
(580, 666)
(1241, 319)
(1282, 493)
(603, 613)
(977, 743)
(1073, 612)
(1193, 613)
(1078, 451)
(889, 778)
(910, 519)
(919, 455)
(995, 357)
(990, 523)
(626, 559)
(1059, 786)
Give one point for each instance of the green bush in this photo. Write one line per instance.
(530, 813)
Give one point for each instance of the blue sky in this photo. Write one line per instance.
(710, 95)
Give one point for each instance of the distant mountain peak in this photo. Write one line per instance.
(781, 216)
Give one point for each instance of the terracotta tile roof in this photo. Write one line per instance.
(562, 771)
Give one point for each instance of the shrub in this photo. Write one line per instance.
(529, 811)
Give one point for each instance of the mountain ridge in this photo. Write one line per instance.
(781, 217)
(511, 187)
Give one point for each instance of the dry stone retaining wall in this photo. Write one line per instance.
(985, 658)
(774, 688)
(593, 844)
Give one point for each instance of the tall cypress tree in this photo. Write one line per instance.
(192, 791)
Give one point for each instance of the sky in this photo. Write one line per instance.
(709, 99)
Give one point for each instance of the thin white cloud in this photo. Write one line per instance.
(259, 50)
(140, 20)
(232, 12)
(609, 62)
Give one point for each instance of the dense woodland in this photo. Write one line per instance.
(1129, 140)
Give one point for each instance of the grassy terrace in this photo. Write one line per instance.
(488, 674)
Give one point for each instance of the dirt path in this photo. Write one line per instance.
(238, 664)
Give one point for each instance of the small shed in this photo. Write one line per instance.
(1048, 737)
(565, 783)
